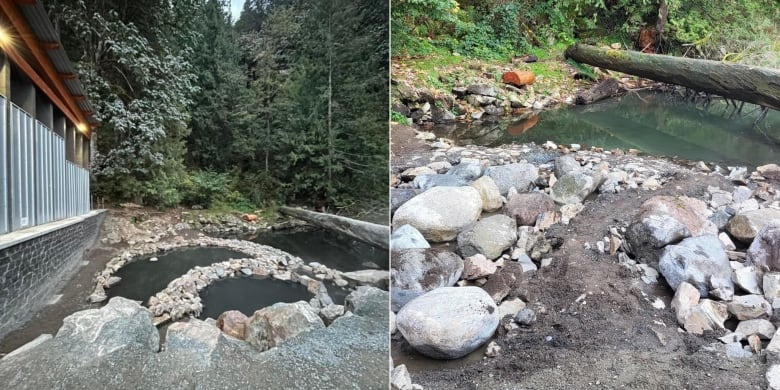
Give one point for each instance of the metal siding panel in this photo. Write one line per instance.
(4, 209)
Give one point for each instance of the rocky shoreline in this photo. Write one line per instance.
(471, 224)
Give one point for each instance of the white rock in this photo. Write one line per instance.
(773, 377)
(761, 327)
(726, 241)
(707, 315)
(399, 378)
(526, 262)
(685, 299)
(748, 279)
(748, 307)
(510, 307)
(771, 284)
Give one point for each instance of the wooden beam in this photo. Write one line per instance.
(79, 98)
(68, 76)
(28, 37)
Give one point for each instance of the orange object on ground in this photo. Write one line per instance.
(519, 78)
(518, 128)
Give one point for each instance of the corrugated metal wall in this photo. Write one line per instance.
(44, 186)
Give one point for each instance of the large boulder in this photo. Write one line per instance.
(449, 322)
(440, 213)
(521, 176)
(482, 89)
(664, 220)
(575, 186)
(407, 237)
(525, 208)
(120, 324)
(425, 182)
(367, 301)
(271, 326)
(201, 340)
(414, 272)
(764, 252)
(369, 277)
(489, 192)
(566, 164)
(490, 236)
(744, 226)
(700, 261)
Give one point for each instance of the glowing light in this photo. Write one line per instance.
(82, 128)
(6, 39)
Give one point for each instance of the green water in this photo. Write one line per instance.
(657, 124)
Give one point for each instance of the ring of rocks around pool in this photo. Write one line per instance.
(181, 297)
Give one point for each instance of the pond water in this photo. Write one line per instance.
(143, 278)
(333, 250)
(248, 294)
(655, 123)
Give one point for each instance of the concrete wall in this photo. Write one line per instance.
(32, 267)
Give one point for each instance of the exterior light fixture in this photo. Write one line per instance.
(6, 39)
(82, 128)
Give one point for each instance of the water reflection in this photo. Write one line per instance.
(657, 124)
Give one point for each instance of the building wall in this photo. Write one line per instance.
(30, 270)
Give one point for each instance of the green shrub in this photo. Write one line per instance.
(204, 188)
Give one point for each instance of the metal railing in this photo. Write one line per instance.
(38, 184)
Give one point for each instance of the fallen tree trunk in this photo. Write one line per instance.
(602, 90)
(735, 81)
(370, 233)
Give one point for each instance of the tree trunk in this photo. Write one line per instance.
(370, 233)
(602, 90)
(735, 81)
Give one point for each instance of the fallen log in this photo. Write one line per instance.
(750, 84)
(370, 233)
(604, 89)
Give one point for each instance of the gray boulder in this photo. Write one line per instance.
(575, 186)
(449, 322)
(414, 272)
(566, 164)
(764, 252)
(744, 226)
(122, 323)
(700, 261)
(399, 196)
(407, 237)
(482, 89)
(369, 277)
(525, 208)
(427, 181)
(203, 342)
(440, 213)
(271, 326)
(490, 236)
(521, 176)
(467, 170)
(367, 301)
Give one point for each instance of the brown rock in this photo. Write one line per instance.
(745, 226)
(249, 217)
(518, 78)
(504, 281)
(233, 323)
(477, 266)
(769, 171)
(526, 207)
(685, 299)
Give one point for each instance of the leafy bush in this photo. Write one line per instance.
(204, 188)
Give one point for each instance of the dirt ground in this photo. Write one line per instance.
(614, 338)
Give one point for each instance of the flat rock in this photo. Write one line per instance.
(490, 236)
(271, 326)
(369, 277)
(764, 252)
(482, 89)
(416, 271)
(449, 322)
(526, 207)
(489, 192)
(749, 307)
(440, 213)
(510, 307)
(769, 171)
(521, 176)
(477, 266)
(763, 328)
(745, 226)
(700, 261)
(467, 170)
(407, 237)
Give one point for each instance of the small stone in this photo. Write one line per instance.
(493, 350)
(771, 284)
(153, 259)
(527, 264)
(399, 378)
(477, 266)
(755, 343)
(707, 315)
(651, 184)
(525, 317)
(510, 307)
(685, 299)
(748, 307)
(747, 278)
(600, 246)
(761, 327)
(726, 241)
(546, 262)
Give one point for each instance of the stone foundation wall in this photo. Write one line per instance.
(31, 271)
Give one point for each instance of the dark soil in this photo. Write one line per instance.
(614, 338)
